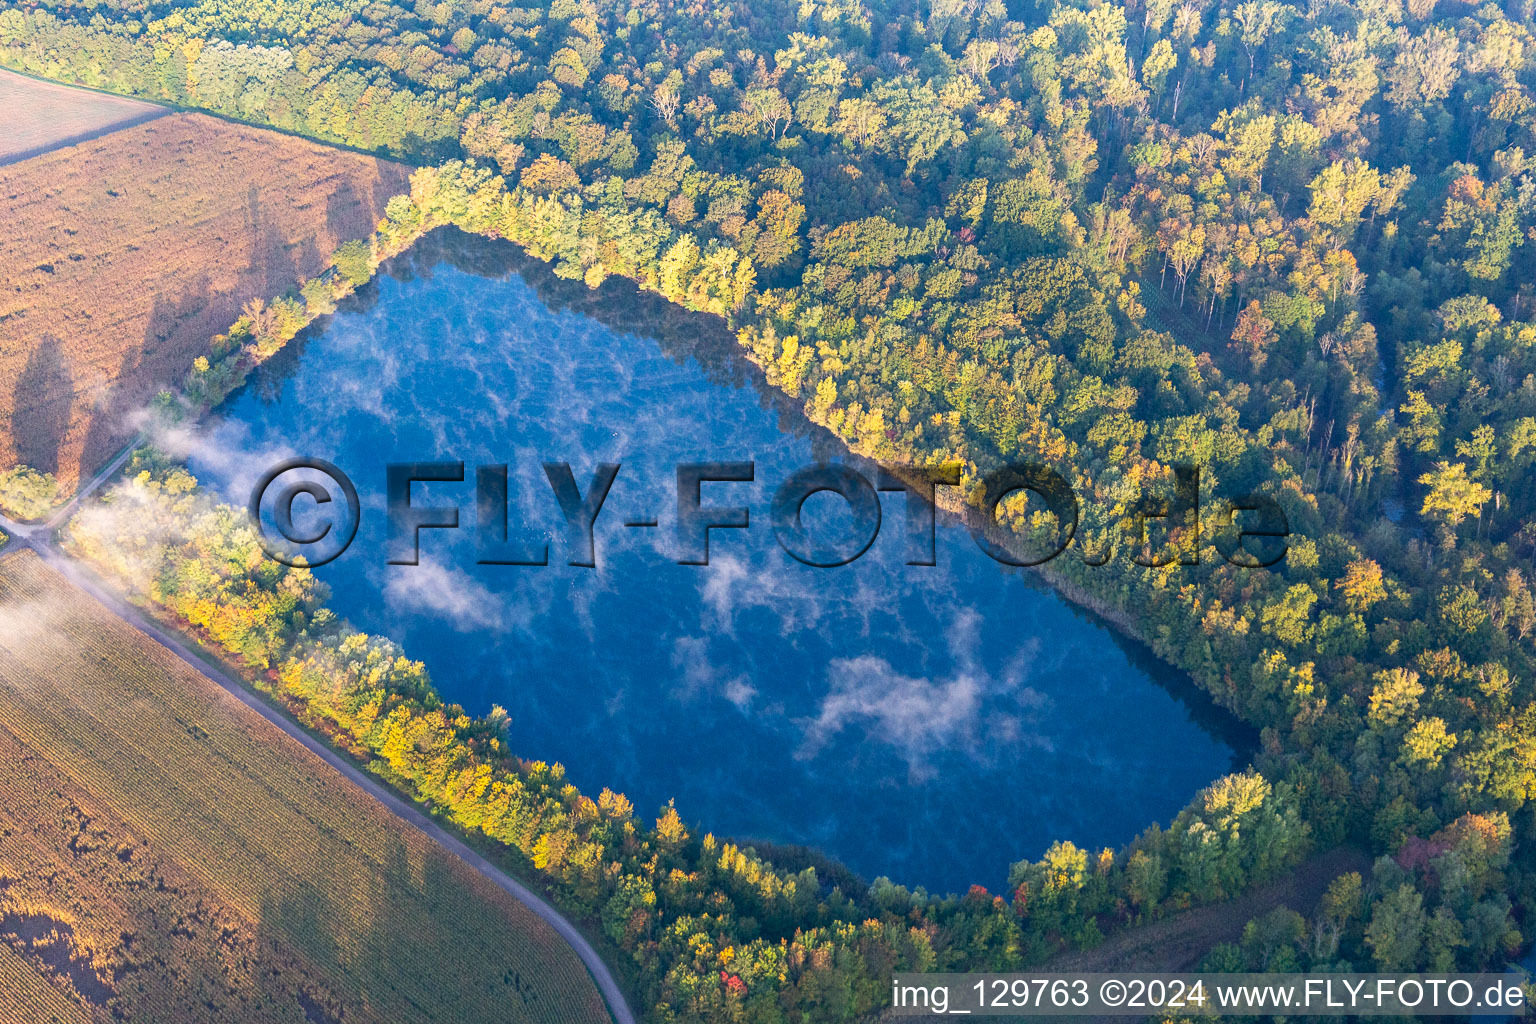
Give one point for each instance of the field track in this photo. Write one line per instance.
(132, 242)
(36, 116)
(126, 253)
(1177, 943)
(376, 910)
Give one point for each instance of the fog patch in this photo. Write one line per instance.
(968, 710)
(698, 676)
(449, 594)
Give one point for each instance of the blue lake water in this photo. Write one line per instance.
(930, 724)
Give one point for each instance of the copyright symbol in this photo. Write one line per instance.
(293, 538)
(1112, 992)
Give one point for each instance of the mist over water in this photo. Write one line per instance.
(931, 724)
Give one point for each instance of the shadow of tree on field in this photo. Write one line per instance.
(342, 210)
(111, 415)
(45, 391)
(174, 335)
(404, 931)
(302, 922)
(168, 316)
(390, 181)
(271, 269)
(308, 260)
(356, 205)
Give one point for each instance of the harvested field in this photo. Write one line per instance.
(27, 995)
(38, 116)
(125, 254)
(166, 854)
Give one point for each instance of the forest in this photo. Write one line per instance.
(1286, 244)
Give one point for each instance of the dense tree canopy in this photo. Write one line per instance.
(1285, 243)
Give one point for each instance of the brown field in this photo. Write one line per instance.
(166, 854)
(26, 995)
(38, 116)
(124, 254)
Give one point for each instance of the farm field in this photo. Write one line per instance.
(26, 995)
(38, 116)
(167, 854)
(125, 254)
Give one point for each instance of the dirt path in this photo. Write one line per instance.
(1177, 943)
(39, 538)
(1174, 944)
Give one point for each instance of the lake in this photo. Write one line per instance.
(932, 724)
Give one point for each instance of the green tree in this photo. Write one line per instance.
(1395, 934)
(1452, 496)
(354, 262)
